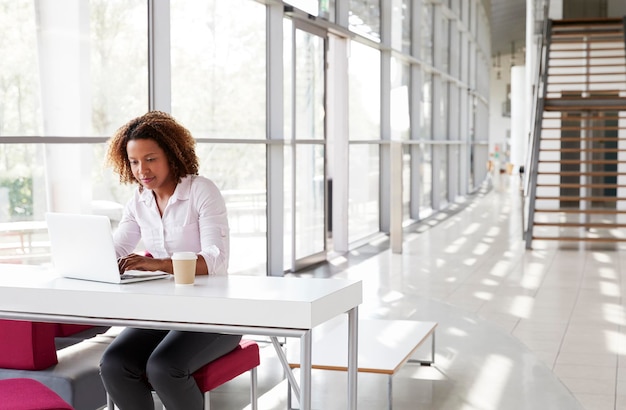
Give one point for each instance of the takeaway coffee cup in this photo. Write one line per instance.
(184, 264)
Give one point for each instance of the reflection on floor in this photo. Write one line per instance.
(518, 329)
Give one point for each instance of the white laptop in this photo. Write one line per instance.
(82, 248)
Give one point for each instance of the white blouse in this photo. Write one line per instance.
(194, 220)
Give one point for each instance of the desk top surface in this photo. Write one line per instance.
(293, 303)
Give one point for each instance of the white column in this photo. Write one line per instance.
(518, 117)
(64, 72)
(531, 62)
(337, 128)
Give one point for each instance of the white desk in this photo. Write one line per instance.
(269, 306)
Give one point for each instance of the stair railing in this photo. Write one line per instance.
(532, 156)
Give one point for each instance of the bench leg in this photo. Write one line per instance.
(207, 401)
(253, 389)
(432, 354)
(390, 392)
(432, 350)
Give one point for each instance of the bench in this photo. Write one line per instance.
(384, 347)
(63, 357)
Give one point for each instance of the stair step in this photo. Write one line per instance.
(580, 198)
(579, 139)
(581, 150)
(596, 65)
(580, 173)
(610, 36)
(587, 128)
(583, 161)
(571, 211)
(569, 185)
(577, 239)
(601, 225)
(585, 21)
(607, 117)
(586, 75)
(585, 48)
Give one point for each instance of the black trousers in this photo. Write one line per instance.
(141, 360)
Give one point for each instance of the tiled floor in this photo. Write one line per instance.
(518, 329)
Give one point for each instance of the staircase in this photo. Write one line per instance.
(578, 173)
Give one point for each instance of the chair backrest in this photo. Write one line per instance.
(27, 345)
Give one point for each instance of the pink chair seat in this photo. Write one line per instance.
(29, 394)
(243, 358)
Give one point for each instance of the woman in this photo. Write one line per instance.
(173, 209)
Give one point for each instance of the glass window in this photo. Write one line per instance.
(443, 45)
(309, 200)
(364, 92)
(427, 33)
(218, 54)
(364, 18)
(239, 171)
(426, 106)
(20, 82)
(309, 6)
(363, 201)
(426, 179)
(401, 25)
(400, 118)
(309, 92)
(72, 68)
(407, 183)
(29, 188)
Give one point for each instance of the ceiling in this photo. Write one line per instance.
(508, 25)
(508, 18)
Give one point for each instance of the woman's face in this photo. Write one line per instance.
(149, 164)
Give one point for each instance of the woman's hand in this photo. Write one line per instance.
(145, 263)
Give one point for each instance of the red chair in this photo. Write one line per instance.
(243, 358)
(29, 394)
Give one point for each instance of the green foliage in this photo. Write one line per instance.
(20, 197)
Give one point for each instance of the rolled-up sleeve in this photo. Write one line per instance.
(213, 225)
(127, 235)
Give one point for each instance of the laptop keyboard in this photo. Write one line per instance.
(133, 274)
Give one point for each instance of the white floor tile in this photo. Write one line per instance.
(507, 316)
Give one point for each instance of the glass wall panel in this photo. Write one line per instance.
(364, 92)
(443, 44)
(364, 191)
(310, 86)
(400, 118)
(27, 190)
(426, 107)
(239, 170)
(364, 18)
(218, 53)
(401, 25)
(426, 35)
(20, 81)
(288, 203)
(71, 68)
(119, 60)
(309, 6)
(407, 183)
(426, 179)
(310, 200)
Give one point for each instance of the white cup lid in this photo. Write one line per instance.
(185, 256)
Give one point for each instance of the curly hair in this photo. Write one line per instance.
(174, 139)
